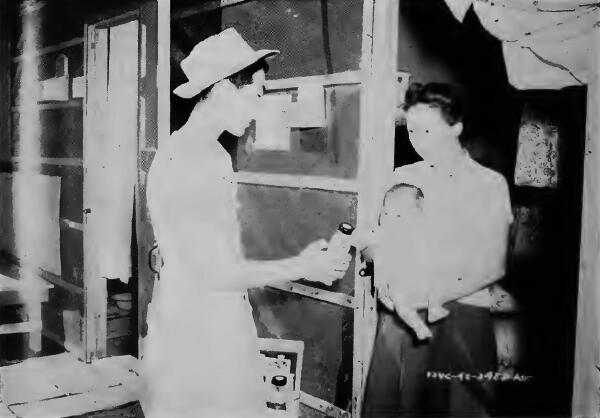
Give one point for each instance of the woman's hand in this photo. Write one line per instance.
(317, 264)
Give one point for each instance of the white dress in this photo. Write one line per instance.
(201, 355)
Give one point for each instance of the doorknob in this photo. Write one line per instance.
(87, 211)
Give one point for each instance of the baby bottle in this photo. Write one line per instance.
(341, 241)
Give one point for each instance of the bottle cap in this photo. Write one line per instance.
(345, 228)
(279, 380)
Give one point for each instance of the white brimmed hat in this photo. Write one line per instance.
(215, 59)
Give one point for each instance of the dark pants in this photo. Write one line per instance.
(399, 385)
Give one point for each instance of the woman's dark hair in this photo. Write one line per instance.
(239, 79)
(441, 96)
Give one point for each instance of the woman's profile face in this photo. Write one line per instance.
(246, 103)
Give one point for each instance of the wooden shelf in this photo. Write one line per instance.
(118, 327)
(21, 327)
(51, 278)
(70, 104)
(65, 162)
(54, 48)
(113, 312)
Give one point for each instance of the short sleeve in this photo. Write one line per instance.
(504, 199)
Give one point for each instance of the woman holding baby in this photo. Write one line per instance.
(440, 246)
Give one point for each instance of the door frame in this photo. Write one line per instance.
(586, 397)
(378, 113)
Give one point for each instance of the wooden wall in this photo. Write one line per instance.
(5, 71)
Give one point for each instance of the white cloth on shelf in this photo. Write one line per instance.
(30, 224)
(112, 151)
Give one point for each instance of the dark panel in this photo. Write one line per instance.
(71, 195)
(331, 151)
(62, 20)
(52, 320)
(47, 68)
(185, 34)
(280, 222)
(58, 23)
(61, 300)
(14, 134)
(61, 133)
(5, 73)
(71, 255)
(54, 23)
(314, 36)
(7, 228)
(148, 88)
(15, 82)
(544, 266)
(320, 325)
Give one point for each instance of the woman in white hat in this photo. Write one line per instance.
(201, 355)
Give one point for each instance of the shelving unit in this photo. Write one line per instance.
(32, 295)
(121, 326)
(55, 159)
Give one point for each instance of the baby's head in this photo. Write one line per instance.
(400, 201)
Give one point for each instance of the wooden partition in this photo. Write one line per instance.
(586, 401)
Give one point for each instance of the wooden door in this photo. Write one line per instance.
(120, 137)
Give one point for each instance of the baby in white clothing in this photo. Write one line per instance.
(402, 258)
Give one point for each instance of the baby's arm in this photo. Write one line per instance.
(410, 317)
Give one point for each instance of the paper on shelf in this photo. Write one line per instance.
(56, 89)
(309, 109)
(36, 228)
(272, 129)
